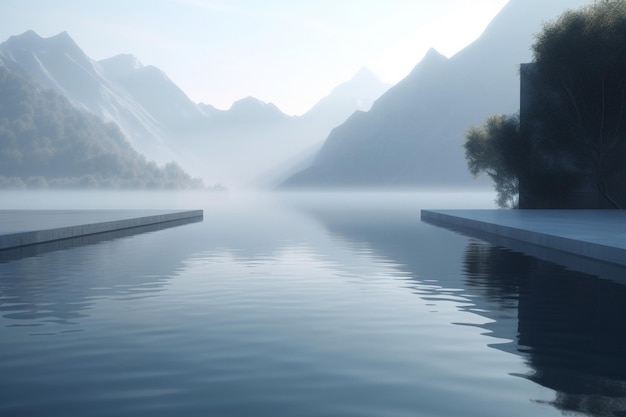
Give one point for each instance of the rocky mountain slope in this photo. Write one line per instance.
(413, 134)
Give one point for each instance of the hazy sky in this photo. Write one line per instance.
(288, 52)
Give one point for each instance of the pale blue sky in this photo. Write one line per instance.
(289, 52)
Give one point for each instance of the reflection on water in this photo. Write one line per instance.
(307, 306)
(572, 326)
(59, 282)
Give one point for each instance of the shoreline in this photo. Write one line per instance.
(597, 235)
(20, 228)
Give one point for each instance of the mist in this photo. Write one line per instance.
(117, 123)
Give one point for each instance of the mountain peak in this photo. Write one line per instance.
(27, 36)
(365, 75)
(27, 40)
(251, 107)
(121, 65)
(434, 54)
(431, 60)
(254, 103)
(248, 103)
(30, 40)
(62, 36)
(64, 41)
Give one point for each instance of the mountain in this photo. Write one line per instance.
(254, 144)
(151, 88)
(58, 63)
(47, 142)
(246, 111)
(413, 134)
(357, 94)
(232, 147)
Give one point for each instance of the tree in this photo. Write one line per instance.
(573, 121)
(496, 148)
(47, 142)
(580, 75)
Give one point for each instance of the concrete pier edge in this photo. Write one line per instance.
(34, 237)
(587, 249)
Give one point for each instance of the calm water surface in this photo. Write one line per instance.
(316, 305)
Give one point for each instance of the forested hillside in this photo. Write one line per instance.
(46, 142)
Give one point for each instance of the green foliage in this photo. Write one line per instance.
(580, 79)
(573, 133)
(496, 149)
(46, 142)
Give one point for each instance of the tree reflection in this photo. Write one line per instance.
(571, 322)
(571, 326)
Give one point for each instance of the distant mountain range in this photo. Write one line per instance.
(413, 134)
(232, 147)
(254, 143)
(363, 134)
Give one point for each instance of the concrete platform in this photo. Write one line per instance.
(595, 234)
(31, 227)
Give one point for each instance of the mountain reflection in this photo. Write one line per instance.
(57, 283)
(571, 326)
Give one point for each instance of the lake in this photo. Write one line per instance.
(320, 304)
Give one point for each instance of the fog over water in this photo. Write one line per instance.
(302, 304)
(132, 199)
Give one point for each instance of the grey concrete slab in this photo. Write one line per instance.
(595, 234)
(30, 227)
(28, 251)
